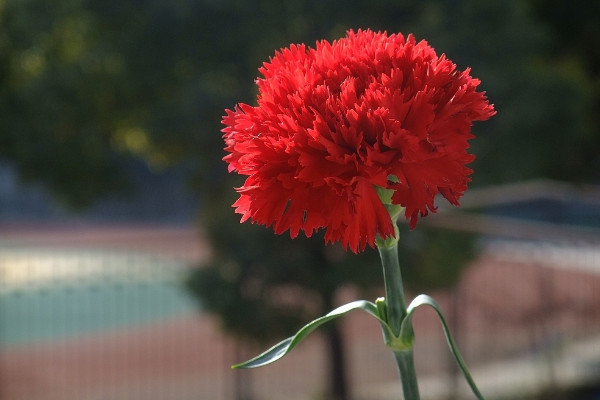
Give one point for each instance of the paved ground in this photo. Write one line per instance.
(531, 326)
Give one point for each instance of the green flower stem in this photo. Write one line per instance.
(396, 312)
(408, 376)
(394, 292)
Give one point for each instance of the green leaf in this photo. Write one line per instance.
(284, 347)
(406, 331)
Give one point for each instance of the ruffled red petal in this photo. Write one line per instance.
(334, 121)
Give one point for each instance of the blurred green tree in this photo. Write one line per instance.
(543, 128)
(56, 100)
(264, 287)
(85, 84)
(574, 31)
(435, 258)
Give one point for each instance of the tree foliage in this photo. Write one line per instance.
(434, 259)
(85, 85)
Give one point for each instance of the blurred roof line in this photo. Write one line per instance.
(514, 228)
(467, 219)
(523, 191)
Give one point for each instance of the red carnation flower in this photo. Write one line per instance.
(333, 122)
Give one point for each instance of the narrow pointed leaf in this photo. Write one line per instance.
(284, 347)
(406, 330)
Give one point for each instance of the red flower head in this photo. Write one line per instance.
(334, 122)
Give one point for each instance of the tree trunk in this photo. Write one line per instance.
(242, 379)
(338, 389)
(455, 324)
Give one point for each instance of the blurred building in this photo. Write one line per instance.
(155, 197)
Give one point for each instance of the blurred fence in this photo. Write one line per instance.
(100, 313)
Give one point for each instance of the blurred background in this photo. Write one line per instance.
(125, 274)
